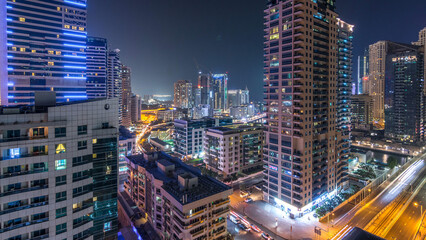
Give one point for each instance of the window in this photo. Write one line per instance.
(21, 19)
(61, 212)
(58, 52)
(33, 51)
(105, 125)
(82, 129)
(61, 228)
(82, 145)
(60, 148)
(50, 51)
(39, 233)
(13, 133)
(81, 190)
(38, 132)
(67, 26)
(39, 149)
(22, 49)
(61, 180)
(107, 226)
(274, 36)
(60, 132)
(61, 196)
(60, 164)
(94, 141)
(51, 63)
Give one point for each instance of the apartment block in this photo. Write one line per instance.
(58, 166)
(305, 151)
(234, 148)
(189, 134)
(179, 201)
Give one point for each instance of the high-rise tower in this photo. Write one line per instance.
(46, 50)
(126, 86)
(97, 49)
(114, 80)
(305, 151)
(220, 91)
(183, 94)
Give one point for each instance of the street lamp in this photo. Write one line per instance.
(421, 208)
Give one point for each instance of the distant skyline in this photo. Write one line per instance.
(164, 41)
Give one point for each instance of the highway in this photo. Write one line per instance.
(362, 216)
(406, 226)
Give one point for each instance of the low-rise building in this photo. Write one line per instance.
(188, 134)
(234, 148)
(179, 201)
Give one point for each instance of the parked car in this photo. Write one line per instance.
(247, 200)
(244, 227)
(266, 236)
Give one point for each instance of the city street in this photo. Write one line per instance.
(361, 218)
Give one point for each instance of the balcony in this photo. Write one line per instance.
(24, 155)
(14, 174)
(22, 138)
(12, 191)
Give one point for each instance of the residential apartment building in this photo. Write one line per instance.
(126, 94)
(183, 94)
(238, 97)
(234, 148)
(189, 134)
(58, 166)
(127, 146)
(305, 152)
(43, 48)
(114, 78)
(404, 95)
(361, 109)
(97, 49)
(135, 108)
(179, 201)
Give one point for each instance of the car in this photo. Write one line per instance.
(234, 219)
(247, 200)
(259, 188)
(255, 228)
(243, 194)
(266, 236)
(244, 227)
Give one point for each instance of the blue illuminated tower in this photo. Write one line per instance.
(46, 50)
(97, 49)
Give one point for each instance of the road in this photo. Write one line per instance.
(406, 226)
(367, 212)
(247, 183)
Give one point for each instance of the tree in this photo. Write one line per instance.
(392, 162)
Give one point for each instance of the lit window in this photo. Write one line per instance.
(67, 26)
(21, 19)
(58, 8)
(32, 74)
(22, 49)
(274, 30)
(60, 164)
(50, 63)
(13, 48)
(287, 26)
(58, 52)
(14, 152)
(74, 28)
(33, 51)
(108, 170)
(60, 148)
(107, 226)
(94, 140)
(81, 28)
(50, 52)
(274, 36)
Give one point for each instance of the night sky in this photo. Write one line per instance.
(164, 40)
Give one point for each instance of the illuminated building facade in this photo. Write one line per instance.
(180, 202)
(183, 94)
(238, 97)
(59, 170)
(114, 78)
(126, 94)
(361, 106)
(405, 107)
(204, 94)
(219, 91)
(97, 49)
(46, 50)
(305, 151)
(362, 73)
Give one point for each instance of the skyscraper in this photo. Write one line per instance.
(305, 152)
(219, 89)
(136, 108)
(404, 95)
(60, 177)
(126, 91)
(183, 94)
(204, 94)
(238, 97)
(362, 73)
(97, 49)
(344, 82)
(46, 50)
(114, 79)
(376, 79)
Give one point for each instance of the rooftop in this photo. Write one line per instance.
(206, 186)
(125, 133)
(229, 129)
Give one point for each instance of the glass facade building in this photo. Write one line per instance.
(96, 67)
(46, 50)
